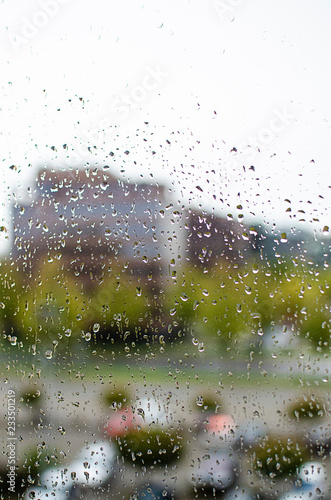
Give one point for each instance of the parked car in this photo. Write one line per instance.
(215, 471)
(92, 467)
(313, 483)
(55, 482)
(146, 411)
(318, 438)
(45, 493)
(154, 491)
(121, 421)
(248, 434)
(217, 430)
(239, 494)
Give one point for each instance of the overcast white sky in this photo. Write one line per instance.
(208, 76)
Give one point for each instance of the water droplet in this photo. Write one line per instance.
(67, 333)
(45, 228)
(184, 297)
(205, 293)
(195, 305)
(283, 238)
(201, 347)
(195, 341)
(13, 340)
(238, 307)
(141, 412)
(199, 401)
(248, 290)
(96, 327)
(49, 354)
(145, 259)
(138, 290)
(88, 336)
(2, 305)
(255, 268)
(173, 311)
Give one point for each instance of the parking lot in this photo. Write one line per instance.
(72, 415)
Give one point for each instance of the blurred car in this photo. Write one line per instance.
(145, 412)
(217, 430)
(152, 411)
(313, 473)
(215, 471)
(319, 439)
(40, 493)
(313, 480)
(122, 421)
(55, 482)
(57, 479)
(94, 465)
(248, 434)
(239, 494)
(154, 491)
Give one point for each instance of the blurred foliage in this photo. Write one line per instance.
(226, 304)
(151, 446)
(308, 406)
(116, 398)
(35, 461)
(120, 306)
(30, 395)
(277, 456)
(209, 402)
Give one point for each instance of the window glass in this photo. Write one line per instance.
(165, 304)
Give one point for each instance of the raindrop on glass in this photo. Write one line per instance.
(199, 401)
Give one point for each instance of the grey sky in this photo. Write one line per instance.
(206, 75)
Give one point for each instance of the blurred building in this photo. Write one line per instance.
(211, 239)
(90, 220)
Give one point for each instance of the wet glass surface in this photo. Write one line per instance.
(165, 304)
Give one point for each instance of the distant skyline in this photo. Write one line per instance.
(185, 94)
